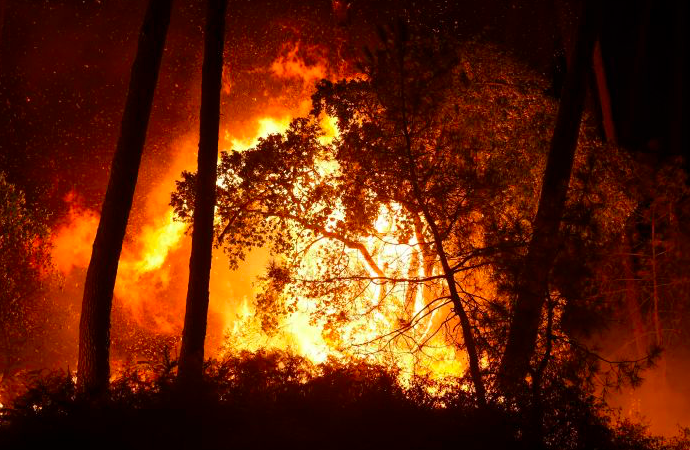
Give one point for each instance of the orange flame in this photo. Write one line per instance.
(152, 274)
(291, 65)
(73, 240)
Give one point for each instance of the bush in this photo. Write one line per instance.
(273, 399)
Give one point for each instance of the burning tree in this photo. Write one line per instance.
(403, 215)
(410, 229)
(410, 233)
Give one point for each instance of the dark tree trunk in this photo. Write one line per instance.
(94, 326)
(532, 284)
(604, 96)
(194, 333)
(465, 325)
(449, 275)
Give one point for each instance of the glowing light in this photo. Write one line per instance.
(329, 126)
(158, 242)
(152, 274)
(72, 240)
(266, 127)
(291, 65)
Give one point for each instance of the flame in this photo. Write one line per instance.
(291, 65)
(72, 240)
(265, 127)
(152, 273)
(329, 126)
(318, 339)
(158, 241)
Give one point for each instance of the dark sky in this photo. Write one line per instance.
(64, 69)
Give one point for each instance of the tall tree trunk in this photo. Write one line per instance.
(656, 319)
(532, 284)
(94, 326)
(194, 333)
(449, 274)
(604, 96)
(465, 325)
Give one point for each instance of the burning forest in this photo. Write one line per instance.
(340, 224)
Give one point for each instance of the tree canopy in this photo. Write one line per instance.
(420, 208)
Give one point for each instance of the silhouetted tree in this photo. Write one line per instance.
(446, 147)
(194, 333)
(413, 142)
(533, 281)
(94, 326)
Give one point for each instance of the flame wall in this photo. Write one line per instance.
(152, 276)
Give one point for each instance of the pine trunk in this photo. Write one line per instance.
(94, 326)
(604, 96)
(532, 284)
(194, 333)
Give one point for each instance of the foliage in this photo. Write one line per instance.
(414, 167)
(659, 251)
(439, 157)
(24, 270)
(266, 399)
(431, 186)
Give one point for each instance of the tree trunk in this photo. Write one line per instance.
(449, 275)
(532, 284)
(603, 95)
(94, 326)
(194, 333)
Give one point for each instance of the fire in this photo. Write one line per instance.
(368, 336)
(266, 127)
(152, 274)
(329, 125)
(158, 241)
(73, 239)
(291, 65)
